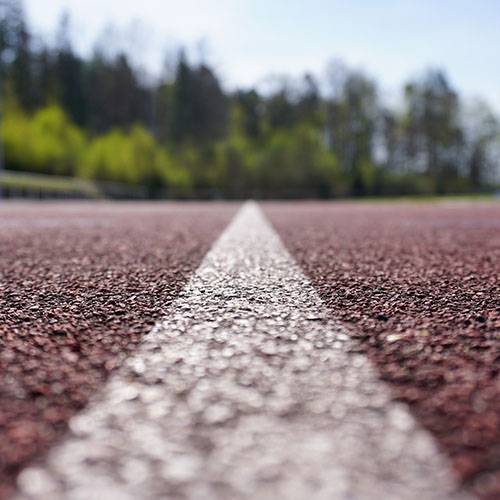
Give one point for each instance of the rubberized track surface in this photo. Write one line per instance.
(418, 286)
(244, 390)
(79, 286)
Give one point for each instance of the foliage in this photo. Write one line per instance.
(183, 135)
(133, 158)
(47, 142)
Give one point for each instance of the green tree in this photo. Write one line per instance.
(134, 158)
(482, 142)
(47, 142)
(352, 114)
(199, 106)
(431, 127)
(71, 91)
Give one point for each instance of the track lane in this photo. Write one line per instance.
(245, 390)
(80, 283)
(418, 285)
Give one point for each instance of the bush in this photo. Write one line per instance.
(46, 143)
(133, 158)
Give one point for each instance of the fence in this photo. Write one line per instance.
(40, 186)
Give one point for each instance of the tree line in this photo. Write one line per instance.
(101, 118)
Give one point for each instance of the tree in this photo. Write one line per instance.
(431, 127)
(70, 76)
(482, 134)
(116, 99)
(350, 127)
(199, 107)
(15, 47)
(47, 142)
(250, 106)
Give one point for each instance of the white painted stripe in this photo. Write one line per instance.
(245, 391)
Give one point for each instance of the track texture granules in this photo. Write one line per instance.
(244, 391)
(80, 284)
(418, 286)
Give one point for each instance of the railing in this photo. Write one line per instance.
(14, 184)
(39, 186)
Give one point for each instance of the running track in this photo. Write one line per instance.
(253, 384)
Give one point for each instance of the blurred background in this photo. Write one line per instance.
(238, 99)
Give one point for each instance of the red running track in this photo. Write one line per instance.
(418, 285)
(79, 286)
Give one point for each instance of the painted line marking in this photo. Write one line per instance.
(246, 390)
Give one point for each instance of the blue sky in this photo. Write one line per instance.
(392, 40)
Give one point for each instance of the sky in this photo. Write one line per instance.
(250, 40)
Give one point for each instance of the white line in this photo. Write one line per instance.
(245, 391)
